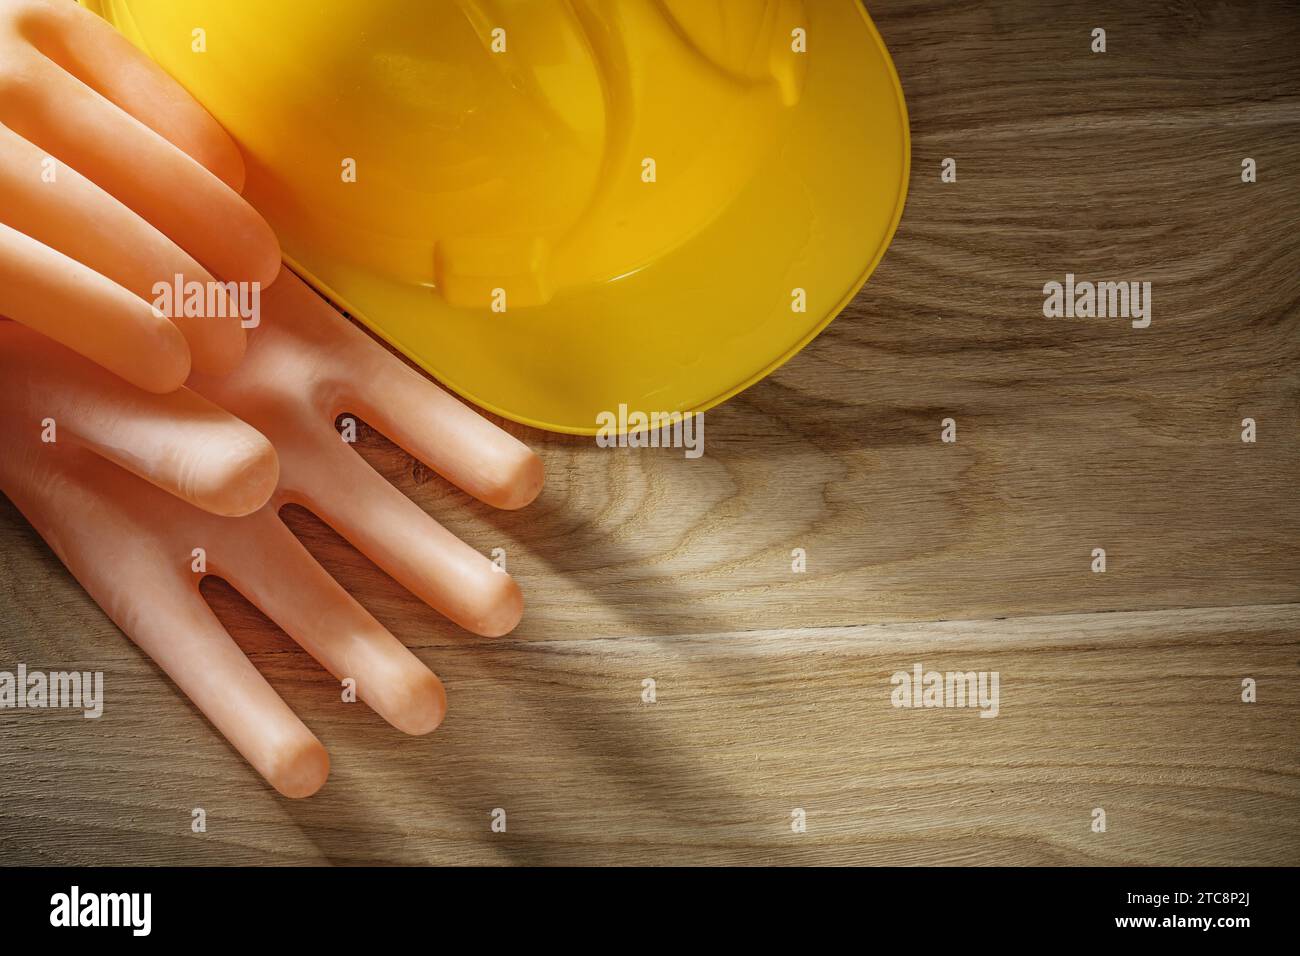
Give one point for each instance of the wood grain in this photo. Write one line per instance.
(1119, 690)
(1136, 713)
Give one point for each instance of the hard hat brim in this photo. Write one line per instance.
(715, 316)
(685, 331)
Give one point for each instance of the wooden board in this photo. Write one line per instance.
(1119, 691)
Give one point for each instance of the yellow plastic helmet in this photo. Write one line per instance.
(557, 208)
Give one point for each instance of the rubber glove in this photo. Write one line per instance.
(129, 536)
(108, 171)
(179, 441)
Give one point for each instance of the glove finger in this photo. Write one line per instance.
(54, 294)
(429, 423)
(95, 53)
(122, 539)
(186, 640)
(444, 433)
(71, 122)
(79, 219)
(271, 568)
(336, 484)
(180, 441)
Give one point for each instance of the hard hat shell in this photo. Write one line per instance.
(561, 208)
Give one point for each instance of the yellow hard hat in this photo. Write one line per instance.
(560, 208)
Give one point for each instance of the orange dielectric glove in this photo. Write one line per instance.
(113, 180)
(130, 492)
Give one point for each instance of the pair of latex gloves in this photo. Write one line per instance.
(143, 447)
